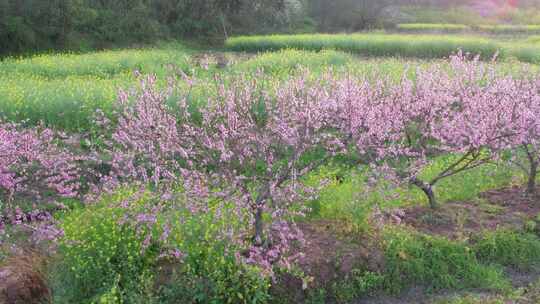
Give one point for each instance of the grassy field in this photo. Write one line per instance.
(65, 90)
(435, 27)
(422, 46)
(438, 252)
(499, 29)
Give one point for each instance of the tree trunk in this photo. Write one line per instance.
(533, 170)
(428, 191)
(224, 26)
(258, 238)
(531, 184)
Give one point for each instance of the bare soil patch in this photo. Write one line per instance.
(331, 253)
(502, 208)
(22, 282)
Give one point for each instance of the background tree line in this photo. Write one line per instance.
(31, 25)
(35, 25)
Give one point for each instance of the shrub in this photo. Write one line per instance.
(211, 268)
(407, 126)
(250, 145)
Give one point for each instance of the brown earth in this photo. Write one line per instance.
(331, 253)
(21, 280)
(333, 250)
(507, 208)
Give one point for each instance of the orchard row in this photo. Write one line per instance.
(252, 143)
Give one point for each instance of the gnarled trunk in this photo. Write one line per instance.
(531, 183)
(533, 170)
(258, 237)
(428, 191)
(258, 208)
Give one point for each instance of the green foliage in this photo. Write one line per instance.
(28, 26)
(103, 260)
(102, 65)
(368, 44)
(215, 278)
(448, 15)
(509, 248)
(508, 28)
(470, 299)
(100, 258)
(348, 15)
(434, 262)
(64, 90)
(342, 198)
(210, 271)
(356, 285)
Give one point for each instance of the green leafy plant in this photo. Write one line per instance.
(509, 248)
(357, 284)
(100, 258)
(435, 262)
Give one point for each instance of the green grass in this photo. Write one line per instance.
(468, 184)
(283, 64)
(67, 103)
(508, 28)
(389, 45)
(65, 90)
(439, 27)
(457, 28)
(347, 196)
(435, 262)
(103, 65)
(100, 257)
(510, 248)
(287, 62)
